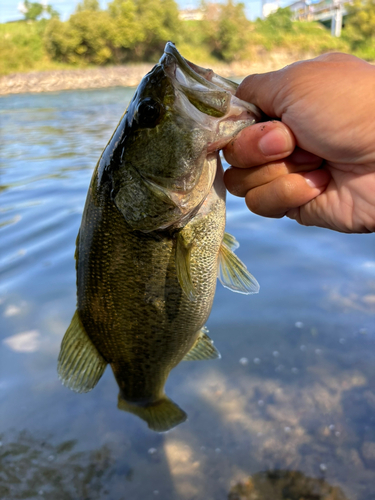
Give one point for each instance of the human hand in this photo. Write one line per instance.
(317, 164)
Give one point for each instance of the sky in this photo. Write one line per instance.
(9, 8)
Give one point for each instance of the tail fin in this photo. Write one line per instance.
(160, 416)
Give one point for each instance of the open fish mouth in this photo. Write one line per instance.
(209, 92)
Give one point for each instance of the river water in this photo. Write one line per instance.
(294, 390)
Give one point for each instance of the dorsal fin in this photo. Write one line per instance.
(80, 365)
(203, 348)
(233, 273)
(183, 269)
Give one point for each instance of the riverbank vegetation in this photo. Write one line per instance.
(131, 31)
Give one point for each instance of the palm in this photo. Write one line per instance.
(348, 202)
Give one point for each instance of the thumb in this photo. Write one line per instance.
(261, 90)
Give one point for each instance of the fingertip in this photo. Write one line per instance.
(317, 179)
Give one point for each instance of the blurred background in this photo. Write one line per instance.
(289, 410)
(63, 34)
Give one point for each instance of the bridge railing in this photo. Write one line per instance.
(315, 12)
(333, 10)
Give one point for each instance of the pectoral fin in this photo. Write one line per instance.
(183, 269)
(233, 273)
(160, 416)
(80, 365)
(203, 348)
(230, 241)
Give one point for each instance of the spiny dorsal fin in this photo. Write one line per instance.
(233, 273)
(183, 254)
(80, 365)
(203, 348)
(160, 416)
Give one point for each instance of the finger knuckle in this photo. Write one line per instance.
(285, 192)
(254, 202)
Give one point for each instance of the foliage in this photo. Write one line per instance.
(92, 5)
(21, 46)
(280, 20)
(84, 39)
(136, 30)
(142, 27)
(278, 31)
(361, 18)
(33, 10)
(227, 31)
(360, 28)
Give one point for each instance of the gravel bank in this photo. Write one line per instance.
(128, 76)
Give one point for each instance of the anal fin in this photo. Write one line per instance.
(203, 348)
(80, 365)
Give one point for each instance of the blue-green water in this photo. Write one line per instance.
(295, 388)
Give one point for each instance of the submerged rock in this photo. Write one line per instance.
(284, 485)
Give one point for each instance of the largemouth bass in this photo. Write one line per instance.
(152, 239)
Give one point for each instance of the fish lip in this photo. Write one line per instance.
(172, 60)
(194, 71)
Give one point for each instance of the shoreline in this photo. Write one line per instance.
(124, 76)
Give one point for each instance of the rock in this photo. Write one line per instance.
(284, 485)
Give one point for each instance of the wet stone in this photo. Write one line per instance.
(284, 485)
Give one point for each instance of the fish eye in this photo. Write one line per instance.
(148, 113)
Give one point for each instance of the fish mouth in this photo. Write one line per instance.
(205, 77)
(210, 93)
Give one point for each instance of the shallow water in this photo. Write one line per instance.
(295, 388)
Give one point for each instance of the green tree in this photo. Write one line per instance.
(84, 38)
(361, 18)
(52, 12)
(92, 5)
(360, 28)
(34, 10)
(127, 30)
(227, 30)
(142, 27)
(280, 20)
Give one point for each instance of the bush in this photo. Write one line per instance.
(227, 31)
(360, 28)
(21, 46)
(142, 27)
(84, 39)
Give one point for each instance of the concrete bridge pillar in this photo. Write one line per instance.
(336, 24)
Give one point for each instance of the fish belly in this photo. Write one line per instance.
(130, 301)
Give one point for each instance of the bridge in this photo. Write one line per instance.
(331, 11)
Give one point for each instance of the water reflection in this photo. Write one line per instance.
(32, 468)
